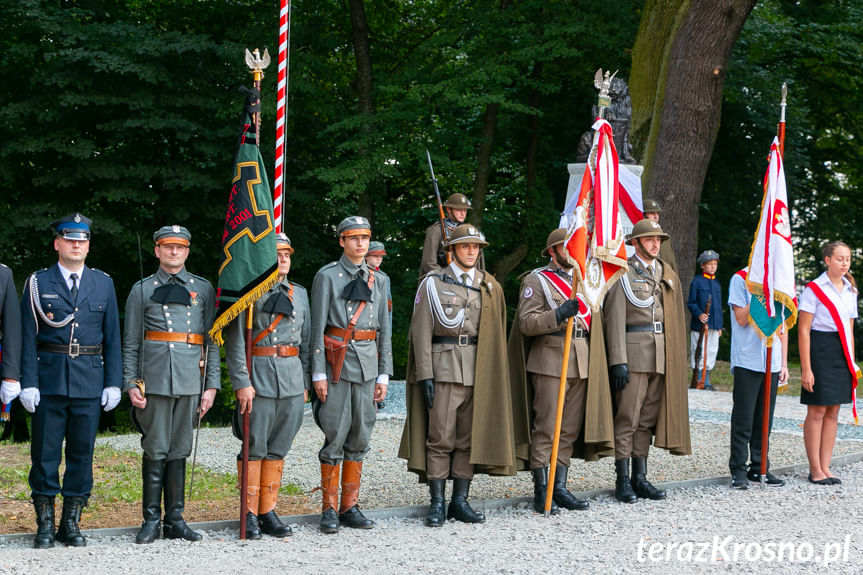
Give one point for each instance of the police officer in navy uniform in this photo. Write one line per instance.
(10, 341)
(70, 367)
(166, 353)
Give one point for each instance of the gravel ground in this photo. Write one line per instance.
(609, 538)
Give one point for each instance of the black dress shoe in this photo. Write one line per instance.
(272, 525)
(329, 521)
(770, 479)
(825, 481)
(355, 519)
(253, 529)
(739, 481)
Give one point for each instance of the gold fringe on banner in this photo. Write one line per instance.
(240, 306)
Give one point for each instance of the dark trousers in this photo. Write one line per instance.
(77, 420)
(746, 417)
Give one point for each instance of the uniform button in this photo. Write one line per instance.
(188, 322)
(77, 324)
(164, 307)
(171, 345)
(317, 350)
(76, 309)
(275, 338)
(188, 313)
(350, 308)
(191, 281)
(170, 322)
(75, 340)
(167, 314)
(340, 274)
(170, 329)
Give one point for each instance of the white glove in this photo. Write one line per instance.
(9, 391)
(29, 398)
(111, 397)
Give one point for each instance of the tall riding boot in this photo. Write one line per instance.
(153, 477)
(173, 525)
(540, 488)
(623, 486)
(68, 531)
(349, 512)
(436, 516)
(459, 509)
(562, 496)
(642, 486)
(271, 480)
(253, 493)
(44, 506)
(330, 496)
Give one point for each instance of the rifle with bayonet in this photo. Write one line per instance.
(443, 228)
(699, 372)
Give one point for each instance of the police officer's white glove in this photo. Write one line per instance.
(29, 398)
(9, 391)
(111, 397)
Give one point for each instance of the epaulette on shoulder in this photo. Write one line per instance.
(97, 270)
(298, 286)
(328, 266)
(203, 279)
(4, 266)
(382, 273)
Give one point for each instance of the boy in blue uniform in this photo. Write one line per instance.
(705, 286)
(70, 367)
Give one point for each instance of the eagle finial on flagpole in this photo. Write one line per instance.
(257, 63)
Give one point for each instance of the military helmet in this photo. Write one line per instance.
(283, 242)
(645, 229)
(458, 201)
(556, 237)
(707, 256)
(354, 226)
(467, 234)
(652, 207)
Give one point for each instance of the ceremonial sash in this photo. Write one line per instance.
(565, 290)
(832, 303)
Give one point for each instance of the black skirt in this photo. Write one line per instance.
(832, 376)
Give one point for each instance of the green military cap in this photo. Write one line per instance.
(645, 229)
(354, 226)
(73, 227)
(458, 201)
(283, 242)
(652, 207)
(556, 237)
(376, 249)
(707, 256)
(172, 235)
(467, 234)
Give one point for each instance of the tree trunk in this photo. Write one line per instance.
(483, 163)
(686, 106)
(365, 100)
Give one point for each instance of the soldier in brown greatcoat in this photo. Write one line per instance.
(647, 362)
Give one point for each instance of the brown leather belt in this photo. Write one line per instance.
(276, 351)
(176, 337)
(358, 335)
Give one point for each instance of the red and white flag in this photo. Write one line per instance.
(594, 237)
(771, 263)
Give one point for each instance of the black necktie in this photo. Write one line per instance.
(74, 290)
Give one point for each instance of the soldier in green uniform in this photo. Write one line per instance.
(276, 391)
(459, 400)
(166, 354)
(647, 362)
(434, 253)
(374, 259)
(351, 365)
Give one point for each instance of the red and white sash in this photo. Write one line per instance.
(565, 289)
(832, 302)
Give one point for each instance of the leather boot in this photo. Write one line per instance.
(253, 493)
(349, 512)
(436, 515)
(173, 525)
(459, 509)
(271, 480)
(153, 477)
(623, 486)
(540, 488)
(562, 496)
(330, 497)
(68, 531)
(44, 506)
(642, 486)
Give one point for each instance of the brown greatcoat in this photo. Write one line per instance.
(597, 436)
(672, 426)
(494, 432)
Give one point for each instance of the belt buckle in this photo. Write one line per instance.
(463, 340)
(579, 333)
(657, 327)
(74, 350)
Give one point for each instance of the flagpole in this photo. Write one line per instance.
(281, 109)
(768, 360)
(603, 102)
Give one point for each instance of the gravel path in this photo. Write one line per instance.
(609, 538)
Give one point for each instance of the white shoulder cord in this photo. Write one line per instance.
(633, 299)
(37, 307)
(437, 309)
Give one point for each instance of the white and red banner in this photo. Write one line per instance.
(592, 217)
(771, 262)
